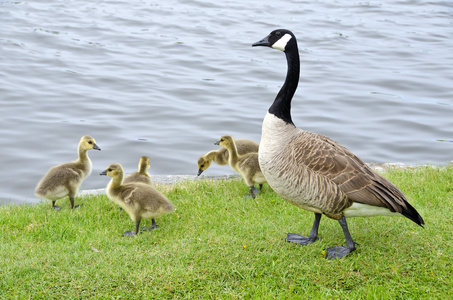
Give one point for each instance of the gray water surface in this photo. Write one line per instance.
(168, 78)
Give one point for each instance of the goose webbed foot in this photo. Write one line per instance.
(341, 251)
(300, 239)
(337, 252)
(304, 240)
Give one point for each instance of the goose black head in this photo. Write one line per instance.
(278, 39)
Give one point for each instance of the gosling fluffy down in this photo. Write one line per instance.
(139, 200)
(247, 165)
(221, 155)
(65, 179)
(142, 174)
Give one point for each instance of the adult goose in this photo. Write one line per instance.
(65, 179)
(316, 173)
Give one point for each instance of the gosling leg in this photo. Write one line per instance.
(130, 233)
(153, 226)
(303, 240)
(72, 202)
(252, 192)
(341, 251)
(57, 208)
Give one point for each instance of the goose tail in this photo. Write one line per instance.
(411, 213)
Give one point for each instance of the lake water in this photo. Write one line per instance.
(168, 78)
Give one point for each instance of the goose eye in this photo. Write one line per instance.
(278, 34)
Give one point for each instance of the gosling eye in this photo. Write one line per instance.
(202, 166)
(90, 142)
(110, 170)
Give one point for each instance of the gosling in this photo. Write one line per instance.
(221, 155)
(247, 165)
(142, 174)
(65, 179)
(139, 200)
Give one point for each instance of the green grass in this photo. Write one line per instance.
(219, 245)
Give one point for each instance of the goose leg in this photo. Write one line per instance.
(57, 208)
(303, 240)
(341, 251)
(130, 233)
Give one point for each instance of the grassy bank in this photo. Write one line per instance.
(220, 245)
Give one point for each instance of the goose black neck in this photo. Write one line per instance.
(281, 107)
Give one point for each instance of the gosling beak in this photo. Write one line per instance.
(105, 171)
(217, 143)
(263, 42)
(199, 172)
(95, 147)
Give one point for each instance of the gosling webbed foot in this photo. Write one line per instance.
(79, 205)
(300, 239)
(153, 227)
(252, 193)
(128, 233)
(57, 208)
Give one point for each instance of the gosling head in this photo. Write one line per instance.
(224, 141)
(114, 170)
(203, 164)
(280, 39)
(88, 143)
(143, 164)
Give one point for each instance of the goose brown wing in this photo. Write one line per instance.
(358, 181)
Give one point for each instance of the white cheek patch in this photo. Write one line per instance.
(282, 42)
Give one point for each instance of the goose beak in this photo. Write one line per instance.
(105, 171)
(95, 147)
(263, 42)
(199, 172)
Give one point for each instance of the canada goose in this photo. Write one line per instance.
(138, 199)
(65, 179)
(142, 174)
(247, 165)
(316, 173)
(220, 156)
